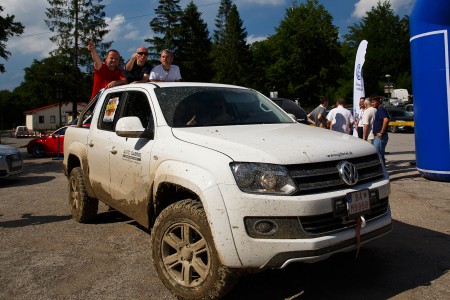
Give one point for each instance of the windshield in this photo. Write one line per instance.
(217, 106)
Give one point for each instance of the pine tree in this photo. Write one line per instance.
(166, 24)
(221, 19)
(8, 28)
(230, 52)
(194, 46)
(76, 22)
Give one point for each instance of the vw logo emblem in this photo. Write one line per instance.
(348, 172)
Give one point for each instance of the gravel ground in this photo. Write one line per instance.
(44, 254)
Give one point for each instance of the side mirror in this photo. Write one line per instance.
(293, 117)
(131, 127)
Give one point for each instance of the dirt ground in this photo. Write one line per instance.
(44, 254)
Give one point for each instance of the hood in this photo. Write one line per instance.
(276, 143)
(4, 150)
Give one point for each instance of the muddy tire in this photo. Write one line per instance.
(83, 207)
(184, 254)
(38, 151)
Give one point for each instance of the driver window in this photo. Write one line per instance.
(137, 105)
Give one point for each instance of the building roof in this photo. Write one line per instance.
(33, 111)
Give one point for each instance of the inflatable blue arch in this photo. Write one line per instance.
(429, 33)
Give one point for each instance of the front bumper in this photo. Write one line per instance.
(302, 245)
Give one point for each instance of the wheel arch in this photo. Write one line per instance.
(76, 156)
(176, 181)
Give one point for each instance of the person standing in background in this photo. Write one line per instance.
(339, 118)
(359, 116)
(380, 124)
(367, 120)
(317, 116)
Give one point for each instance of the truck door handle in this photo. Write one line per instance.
(113, 150)
(91, 144)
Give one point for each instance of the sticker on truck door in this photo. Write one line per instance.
(111, 109)
(133, 156)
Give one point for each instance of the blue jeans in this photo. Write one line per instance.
(380, 145)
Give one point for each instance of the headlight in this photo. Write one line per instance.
(263, 178)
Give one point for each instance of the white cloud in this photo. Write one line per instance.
(35, 38)
(251, 39)
(363, 6)
(115, 27)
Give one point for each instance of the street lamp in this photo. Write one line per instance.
(388, 87)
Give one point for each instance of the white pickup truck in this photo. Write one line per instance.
(225, 180)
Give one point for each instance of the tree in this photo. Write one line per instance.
(11, 110)
(194, 46)
(262, 58)
(8, 28)
(388, 47)
(167, 24)
(221, 19)
(305, 53)
(76, 22)
(41, 83)
(230, 51)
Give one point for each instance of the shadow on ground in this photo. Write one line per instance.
(415, 257)
(30, 219)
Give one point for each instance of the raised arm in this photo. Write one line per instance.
(95, 57)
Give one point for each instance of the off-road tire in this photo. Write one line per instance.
(184, 254)
(84, 208)
(38, 151)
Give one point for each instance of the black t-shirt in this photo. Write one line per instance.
(137, 72)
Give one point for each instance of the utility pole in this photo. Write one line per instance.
(59, 95)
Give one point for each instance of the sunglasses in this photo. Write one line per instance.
(143, 53)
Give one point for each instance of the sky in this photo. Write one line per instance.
(128, 22)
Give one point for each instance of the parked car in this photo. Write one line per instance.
(51, 144)
(11, 162)
(400, 120)
(410, 108)
(292, 108)
(22, 131)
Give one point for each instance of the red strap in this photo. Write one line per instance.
(358, 234)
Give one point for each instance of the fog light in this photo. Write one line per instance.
(265, 227)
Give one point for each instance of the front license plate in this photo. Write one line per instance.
(16, 164)
(358, 203)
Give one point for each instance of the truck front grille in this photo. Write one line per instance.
(329, 222)
(324, 176)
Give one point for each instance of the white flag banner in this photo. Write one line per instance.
(358, 81)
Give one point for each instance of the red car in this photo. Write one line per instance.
(48, 145)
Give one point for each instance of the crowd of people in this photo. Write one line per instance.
(108, 73)
(370, 120)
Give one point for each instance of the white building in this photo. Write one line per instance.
(51, 117)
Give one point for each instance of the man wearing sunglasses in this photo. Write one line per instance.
(138, 68)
